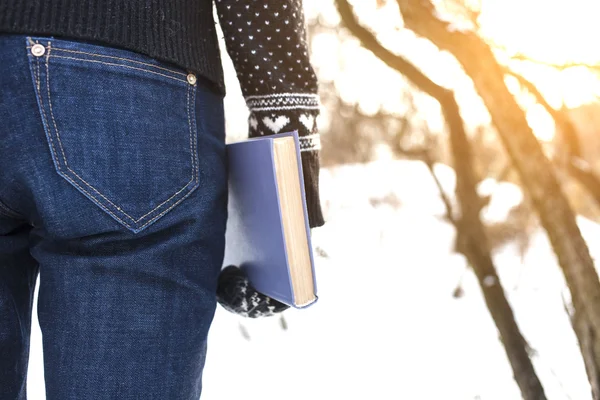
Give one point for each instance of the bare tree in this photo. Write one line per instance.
(535, 170)
(472, 238)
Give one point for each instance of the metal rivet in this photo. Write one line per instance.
(191, 78)
(38, 50)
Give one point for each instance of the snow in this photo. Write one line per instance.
(386, 325)
(506, 197)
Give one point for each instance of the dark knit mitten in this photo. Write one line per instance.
(237, 295)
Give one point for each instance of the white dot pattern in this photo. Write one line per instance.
(267, 43)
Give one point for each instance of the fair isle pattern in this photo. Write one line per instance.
(283, 101)
(280, 112)
(262, 123)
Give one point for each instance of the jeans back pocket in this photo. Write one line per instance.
(120, 126)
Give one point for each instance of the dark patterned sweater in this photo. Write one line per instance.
(265, 39)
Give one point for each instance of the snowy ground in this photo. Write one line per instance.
(386, 325)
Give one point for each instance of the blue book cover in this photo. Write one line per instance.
(255, 236)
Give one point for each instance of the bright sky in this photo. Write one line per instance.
(551, 31)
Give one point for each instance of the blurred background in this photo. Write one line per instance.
(460, 187)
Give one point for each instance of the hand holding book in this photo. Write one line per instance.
(268, 231)
(236, 294)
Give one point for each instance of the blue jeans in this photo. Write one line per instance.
(112, 188)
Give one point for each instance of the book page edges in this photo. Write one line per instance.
(293, 210)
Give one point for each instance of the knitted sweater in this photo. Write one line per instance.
(265, 39)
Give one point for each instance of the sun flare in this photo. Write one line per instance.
(549, 32)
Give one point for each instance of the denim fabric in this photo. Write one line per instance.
(112, 189)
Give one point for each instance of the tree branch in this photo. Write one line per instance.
(562, 121)
(394, 61)
(560, 67)
(575, 165)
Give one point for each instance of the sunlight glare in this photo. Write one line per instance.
(545, 31)
(549, 32)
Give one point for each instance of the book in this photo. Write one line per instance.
(267, 233)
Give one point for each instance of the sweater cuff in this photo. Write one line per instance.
(283, 112)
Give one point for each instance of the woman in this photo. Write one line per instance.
(113, 182)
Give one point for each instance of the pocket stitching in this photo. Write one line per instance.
(50, 104)
(83, 180)
(120, 58)
(193, 155)
(122, 66)
(60, 142)
(38, 94)
(173, 71)
(70, 179)
(39, 97)
(192, 142)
